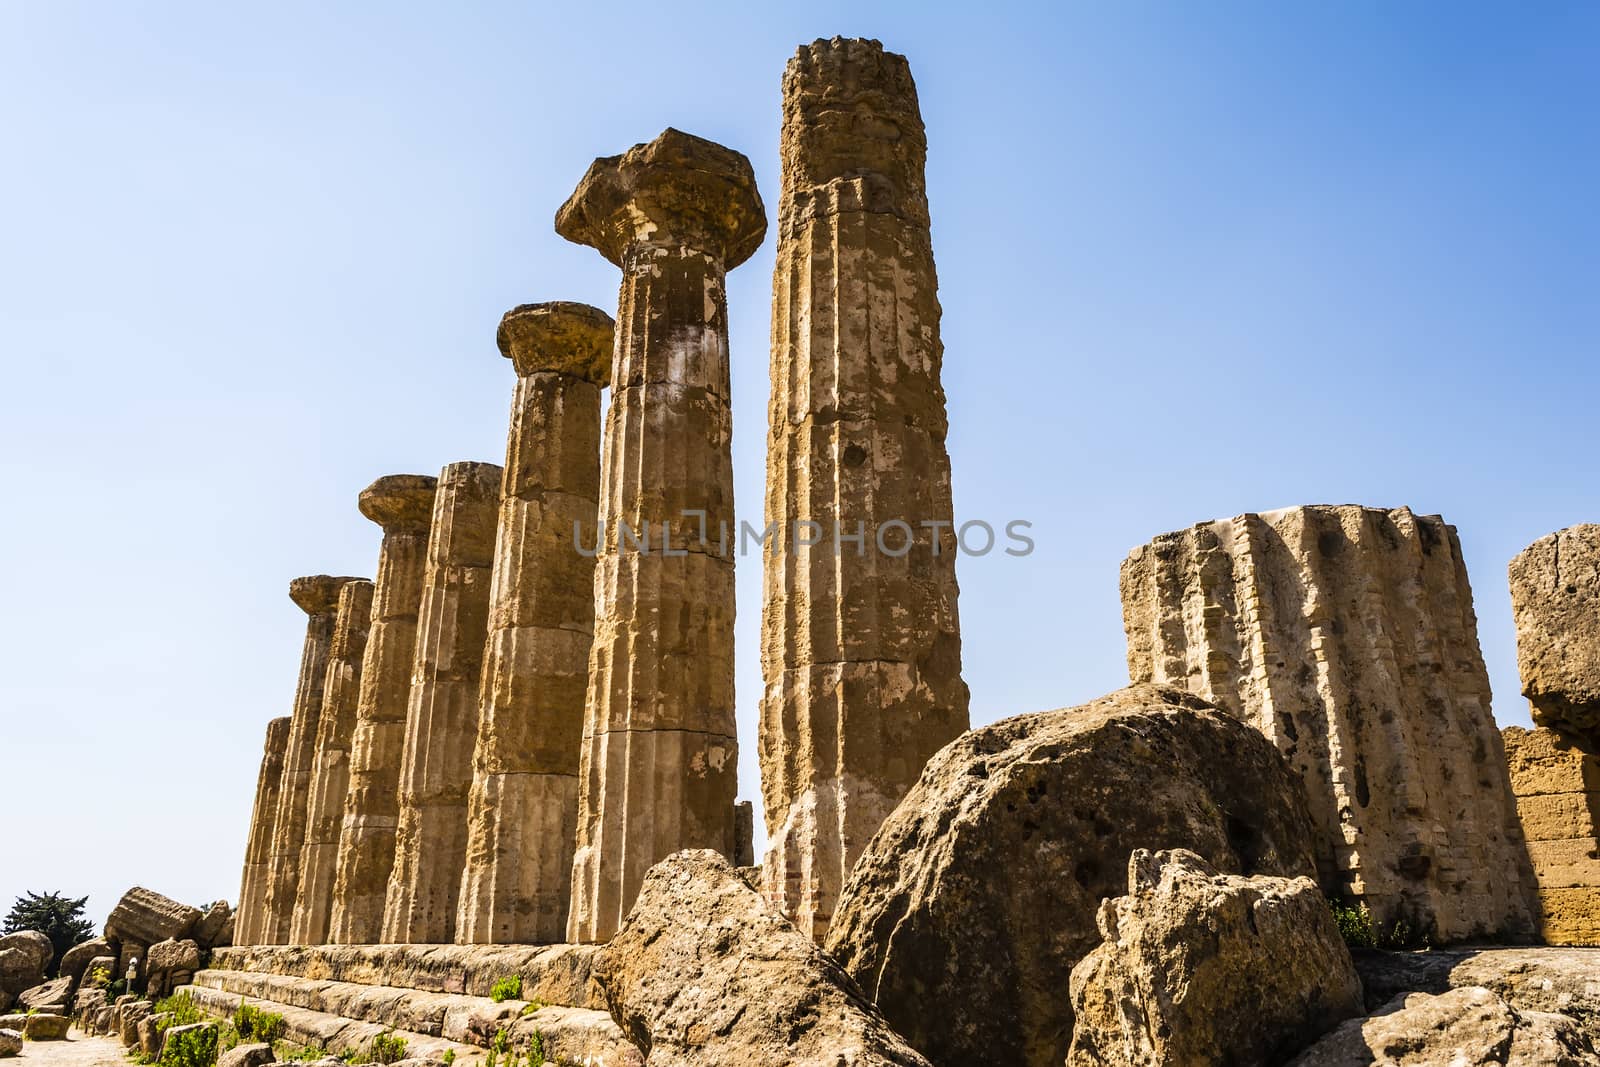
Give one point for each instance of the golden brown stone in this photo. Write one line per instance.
(318, 597)
(442, 716)
(861, 649)
(523, 809)
(1347, 636)
(659, 752)
(402, 504)
(258, 849)
(1555, 595)
(1558, 800)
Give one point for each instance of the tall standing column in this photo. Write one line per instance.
(318, 597)
(402, 504)
(258, 849)
(442, 717)
(861, 643)
(330, 774)
(523, 809)
(658, 770)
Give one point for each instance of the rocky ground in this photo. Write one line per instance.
(78, 1050)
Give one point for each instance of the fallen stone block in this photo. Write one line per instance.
(44, 1027)
(145, 916)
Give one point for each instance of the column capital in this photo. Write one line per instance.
(400, 501)
(318, 594)
(560, 336)
(677, 189)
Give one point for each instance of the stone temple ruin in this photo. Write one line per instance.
(502, 819)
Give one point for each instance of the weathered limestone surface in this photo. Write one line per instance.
(258, 848)
(330, 776)
(861, 648)
(144, 917)
(1346, 635)
(705, 974)
(402, 504)
(75, 961)
(1555, 596)
(442, 717)
(965, 915)
(1565, 980)
(523, 810)
(318, 597)
(658, 769)
(1205, 968)
(1558, 800)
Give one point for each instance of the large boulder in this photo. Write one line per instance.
(100, 973)
(208, 931)
(145, 916)
(968, 910)
(10, 1042)
(25, 959)
(254, 1055)
(1466, 1026)
(128, 1018)
(704, 974)
(46, 1026)
(55, 991)
(75, 961)
(1204, 968)
(1555, 597)
(169, 964)
(1562, 980)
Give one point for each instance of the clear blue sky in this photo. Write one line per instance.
(1195, 260)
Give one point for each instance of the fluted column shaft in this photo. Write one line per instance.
(330, 776)
(658, 770)
(442, 717)
(402, 504)
(318, 597)
(861, 644)
(251, 916)
(523, 810)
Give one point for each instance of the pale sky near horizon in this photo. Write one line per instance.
(1195, 260)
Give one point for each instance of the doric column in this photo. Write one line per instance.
(330, 773)
(523, 809)
(258, 848)
(318, 597)
(442, 717)
(860, 643)
(659, 752)
(402, 504)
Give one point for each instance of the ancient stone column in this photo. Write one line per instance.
(1558, 800)
(523, 809)
(258, 849)
(1347, 636)
(402, 504)
(1555, 595)
(330, 775)
(860, 641)
(658, 770)
(442, 717)
(318, 597)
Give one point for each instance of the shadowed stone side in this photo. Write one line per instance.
(1555, 596)
(523, 810)
(258, 849)
(402, 504)
(1558, 800)
(658, 770)
(860, 650)
(330, 778)
(442, 717)
(1346, 635)
(318, 597)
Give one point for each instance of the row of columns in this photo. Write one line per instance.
(533, 703)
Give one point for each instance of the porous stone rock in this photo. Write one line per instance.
(402, 504)
(152, 1031)
(318, 596)
(25, 958)
(102, 971)
(46, 1026)
(1557, 785)
(658, 771)
(1347, 636)
(252, 923)
(979, 893)
(523, 811)
(1562, 980)
(144, 916)
(705, 974)
(10, 1042)
(1465, 1026)
(1201, 968)
(170, 963)
(55, 991)
(330, 775)
(860, 646)
(1555, 598)
(128, 1017)
(252, 1055)
(442, 717)
(75, 961)
(208, 932)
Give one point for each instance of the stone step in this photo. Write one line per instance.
(467, 1024)
(551, 974)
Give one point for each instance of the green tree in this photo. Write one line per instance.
(57, 917)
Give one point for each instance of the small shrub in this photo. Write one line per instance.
(507, 988)
(253, 1024)
(1355, 924)
(536, 1050)
(190, 1048)
(386, 1048)
(180, 1011)
(98, 978)
(532, 1006)
(449, 1057)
